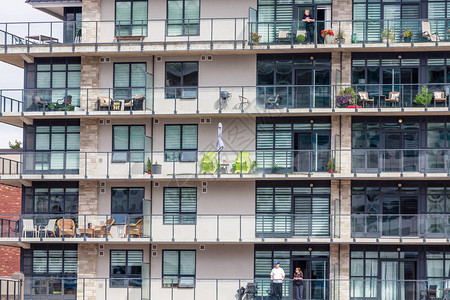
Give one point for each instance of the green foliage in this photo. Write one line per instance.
(16, 145)
(149, 164)
(300, 38)
(331, 165)
(388, 33)
(423, 97)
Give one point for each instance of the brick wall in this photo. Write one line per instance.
(10, 204)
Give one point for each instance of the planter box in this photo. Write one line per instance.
(156, 169)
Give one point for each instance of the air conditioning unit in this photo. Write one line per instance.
(159, 59)
(105, 60)
(102, 191)
(204, 190)
(156, 184)
(202, 247)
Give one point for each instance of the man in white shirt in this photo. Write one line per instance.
(277, 276)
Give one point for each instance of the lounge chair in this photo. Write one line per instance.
(39, 104)
(104, 103)
(394, 97)
(364, 98)
(209, 162)
(64, 103)
(273, 101)
(104, 229)
(426, 32)
(66, 227)
(135, 103)
(283, 36)
(136, 229)
(439, 97)
(243, 162)
(28, 226)
(49, 228)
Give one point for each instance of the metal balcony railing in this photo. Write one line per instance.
(226, 164)
(222, 33)
(10, 289)
(227, 99)
(168, 227)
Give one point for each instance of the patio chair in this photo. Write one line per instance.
(432, 292)
(243, 101)
(104, 103)
(209, 162)
(394, 97)
(64, 103)
(243, 162)
(66, 227)
(439, 97)
(49, 228)
(135, 103)
(39, 104)
(426, 32)
(283, 36)
(364, 98)
(28, 226)
(273, 101)
(104, 229)
(136, 229)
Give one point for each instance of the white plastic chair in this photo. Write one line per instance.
(50, 227)
(426, 32)
(28, 226)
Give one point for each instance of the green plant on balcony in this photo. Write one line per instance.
(275, 169)
(346, 97)
(331, 165)
(300, 39)
(387, 34)
(424, 97)
(406, 35)
(149, 166)
(255, 37)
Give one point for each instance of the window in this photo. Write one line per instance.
(131, 17)
(180, 205)
(127, 201)
(51, 200)
(180, 142)
(57, 145)
(52, 80)
(126, 268)
(183, 17)
(128, 143)
(129, 80)
(178, 268)
(181, 80)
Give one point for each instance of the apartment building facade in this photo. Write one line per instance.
(335, 155)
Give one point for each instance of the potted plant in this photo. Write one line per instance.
(331, 165)
(387, 34)
(327, 36)
(255, 38)
(346, 97)
(406, 35)
(341, 38)
(300, 38)
(423, 97)
(275, 169)
(156, 168)
(149, 166)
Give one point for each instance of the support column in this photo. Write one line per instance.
(340, 207)
(340, 270)
(88, 199)
(90, 78)
(87, 271)
(342, 10)
(89, 157)
(341, 133)
(90, 14)
(341, 61)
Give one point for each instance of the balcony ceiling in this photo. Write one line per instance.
(54, 8)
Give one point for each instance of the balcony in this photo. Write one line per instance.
(168, 228)
(260, 164)
(260, 100)
(218, 34)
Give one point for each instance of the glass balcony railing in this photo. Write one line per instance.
(227, 99)
(216, 288)
(428, 226)
(168, 227)
(226, 164)
(223, 34)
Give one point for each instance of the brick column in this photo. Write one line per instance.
(342, 10)
(87, 268)
(88, 197)
(89, 158)
(90, 77)
(91, 12)
(341, 134)
(341, 190)
(340, 270)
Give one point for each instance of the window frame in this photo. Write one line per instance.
(117, 158)
(131, 216)
(172, 285)
(180, 150)
(176, 91)
(128, 276)
(129, 87)
(183, 20)
(143, 23)
(180, 214)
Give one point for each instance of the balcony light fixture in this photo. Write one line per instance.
(311, 184)
(311, 57)
(400, 121)
(399, 185)
(398, 249)
(311, 121)
(399, 56)
(309, 249)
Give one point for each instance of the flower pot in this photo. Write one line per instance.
(149, 172)
(384, 40)
(156, 169)
(328, 39)
(407, 39)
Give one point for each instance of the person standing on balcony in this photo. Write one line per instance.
(277, 276)
(298, 283)
(308, 18)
